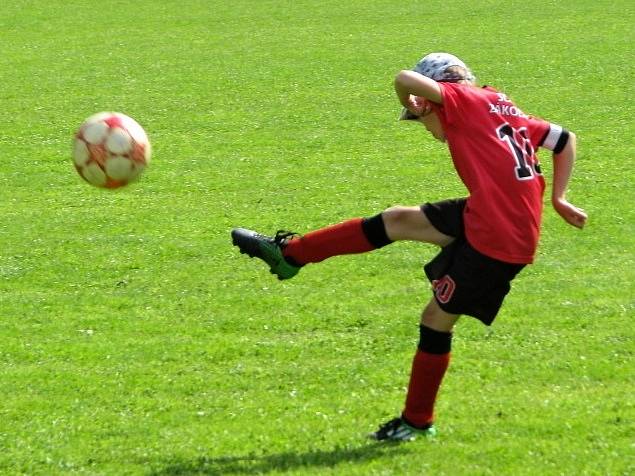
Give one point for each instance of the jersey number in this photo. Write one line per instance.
(521, 149)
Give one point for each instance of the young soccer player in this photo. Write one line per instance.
(485, 239)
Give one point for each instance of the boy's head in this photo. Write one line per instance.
(444, 67)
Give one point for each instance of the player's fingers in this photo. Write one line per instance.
(578, 220)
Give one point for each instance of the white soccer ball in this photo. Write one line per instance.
(110, 150)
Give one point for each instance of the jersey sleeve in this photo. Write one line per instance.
(548, 135)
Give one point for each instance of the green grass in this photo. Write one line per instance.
(134, 339)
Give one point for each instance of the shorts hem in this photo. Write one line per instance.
(487, 320)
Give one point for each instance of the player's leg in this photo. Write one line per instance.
(360, 235)
(429, 365)
(267, 248)
(285, 254)
(412, 223)
(465, 282)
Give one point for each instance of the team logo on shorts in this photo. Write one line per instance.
(444, 288)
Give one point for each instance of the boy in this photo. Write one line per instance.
(485, 239)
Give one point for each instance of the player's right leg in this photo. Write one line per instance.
(399, 429)
(429, 365)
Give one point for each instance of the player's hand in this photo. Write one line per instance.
(570, 213)
(417, 105)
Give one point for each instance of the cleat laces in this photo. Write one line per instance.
(282, 236)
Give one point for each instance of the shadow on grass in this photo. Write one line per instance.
(260, 464)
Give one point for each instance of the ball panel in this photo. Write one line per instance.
(94, 175)
(137, 170)
(94, 132)
(81, 154)
(119, 167)
(118, 141)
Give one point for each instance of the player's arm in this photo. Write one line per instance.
(564, 152)
(409, 85)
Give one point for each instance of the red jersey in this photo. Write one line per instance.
(493, 144)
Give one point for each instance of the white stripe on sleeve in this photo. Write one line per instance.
(550, 142)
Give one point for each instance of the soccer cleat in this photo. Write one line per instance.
(268, 249)
(398, 430)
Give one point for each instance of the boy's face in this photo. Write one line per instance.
(431, 122)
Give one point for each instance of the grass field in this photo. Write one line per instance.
(134, 339)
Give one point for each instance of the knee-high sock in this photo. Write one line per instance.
(428, 368)
(357, 235)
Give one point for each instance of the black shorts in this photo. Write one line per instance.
(465, 281)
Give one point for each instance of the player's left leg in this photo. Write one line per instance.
(428, 368)
(267, 248)
(286, 254)
(359, 235)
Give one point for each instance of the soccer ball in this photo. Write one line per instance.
(110, 150)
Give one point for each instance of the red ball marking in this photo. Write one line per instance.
(110, 183)
(138, 153)
(98, 153)
(113, 121)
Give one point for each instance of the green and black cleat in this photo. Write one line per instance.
(398, 430)
(267, 248)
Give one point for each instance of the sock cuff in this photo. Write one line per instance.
(375, 231)
(434, 342)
